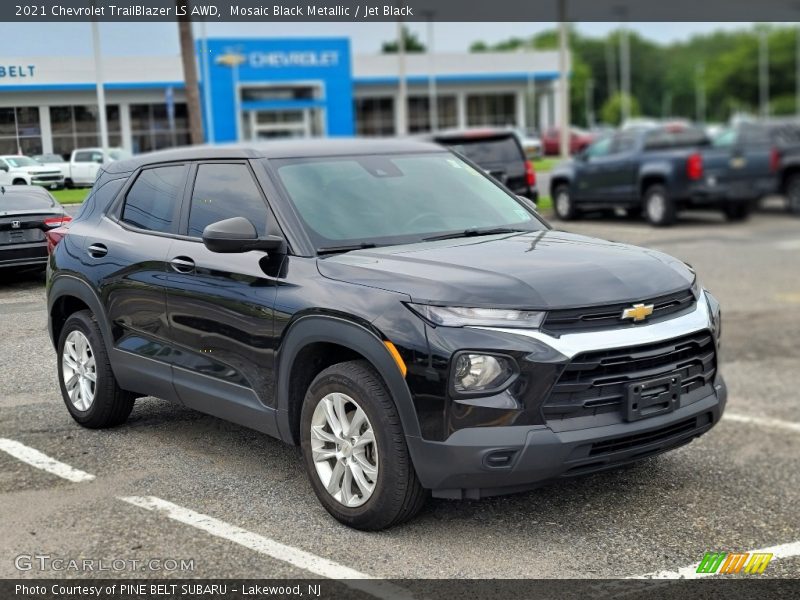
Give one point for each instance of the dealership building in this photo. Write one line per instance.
(269, 88)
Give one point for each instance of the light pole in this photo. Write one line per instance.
(625, 68)
(101, 93)
(433, 108)
(206, 83)
(563, 97)
(763, 71)
(402, 89)
(700, 93)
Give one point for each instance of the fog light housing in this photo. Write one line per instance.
(473, 372)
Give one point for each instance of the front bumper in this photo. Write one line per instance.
(487, 460)
(461, 467)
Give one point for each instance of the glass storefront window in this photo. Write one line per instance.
(78, 127)
(20, 130)
(150, 127)
(374, 116)
(491, 110)
(419, 119)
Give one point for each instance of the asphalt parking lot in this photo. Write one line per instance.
(158, 477)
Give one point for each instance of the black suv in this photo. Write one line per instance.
(389, 307)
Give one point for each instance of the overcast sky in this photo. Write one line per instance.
(143, 39)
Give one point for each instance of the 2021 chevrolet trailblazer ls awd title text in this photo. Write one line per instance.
(386, 305)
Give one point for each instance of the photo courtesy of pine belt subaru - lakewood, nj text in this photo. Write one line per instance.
(388, 306)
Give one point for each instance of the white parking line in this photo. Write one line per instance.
(763, 422)
(789, 550)
(263, 545)
(41, 461)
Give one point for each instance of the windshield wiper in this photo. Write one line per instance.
(347, 248)
(473, 232)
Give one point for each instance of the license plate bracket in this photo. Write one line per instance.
(653, 397)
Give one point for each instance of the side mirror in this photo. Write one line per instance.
(237, 235)
(4, 168)
(529, 203)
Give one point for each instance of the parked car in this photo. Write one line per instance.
(387, 306)
(578, 140)
(763, 158)
(84, 163)
(54, 160)
(27, 213)
(498, 152)
(23, 170)
(656, 171)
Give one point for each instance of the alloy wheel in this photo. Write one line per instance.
(79, 370)
(656, 207)
(344, 450)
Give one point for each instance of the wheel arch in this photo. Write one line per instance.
(68, 294)
(323, 341)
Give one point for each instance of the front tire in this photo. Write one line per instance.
(563, 204)
(659, 209)
(355, 450)
(88, 386)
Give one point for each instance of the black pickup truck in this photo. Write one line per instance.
(760, 158)
(657, 171)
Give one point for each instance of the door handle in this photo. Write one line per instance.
(97, 250)
(182, 264)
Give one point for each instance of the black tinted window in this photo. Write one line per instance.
(150, 203)
(222, 191)
(664, 139)
(488, 152)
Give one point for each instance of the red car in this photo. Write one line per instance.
(578, 140)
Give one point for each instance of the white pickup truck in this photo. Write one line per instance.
(22, 170)
(81, 170)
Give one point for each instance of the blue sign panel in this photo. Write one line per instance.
(261, 64)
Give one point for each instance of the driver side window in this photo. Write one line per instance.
(222, 191)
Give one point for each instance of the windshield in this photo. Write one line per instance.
(21, 161)
(396, 199)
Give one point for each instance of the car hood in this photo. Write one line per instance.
(536, 270)
(38, 169)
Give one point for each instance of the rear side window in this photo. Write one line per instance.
(151, 201)
(88, 156)
(222, 191)
(665, 139)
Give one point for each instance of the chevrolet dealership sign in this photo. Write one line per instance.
(17, 71)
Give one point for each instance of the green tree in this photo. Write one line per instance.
(611, 112)
(412, 43)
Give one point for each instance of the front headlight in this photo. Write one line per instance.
(716, 314)
(480, 372)
(459, 316)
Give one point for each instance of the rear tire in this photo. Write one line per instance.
(88, 386)
(659, 209)
(353, 445)
(563, 204)
(793, 194)
(739, 211)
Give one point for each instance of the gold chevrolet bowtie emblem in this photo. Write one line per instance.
(638, 312)
(230, 59)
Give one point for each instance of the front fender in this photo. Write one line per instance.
(336, 330)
